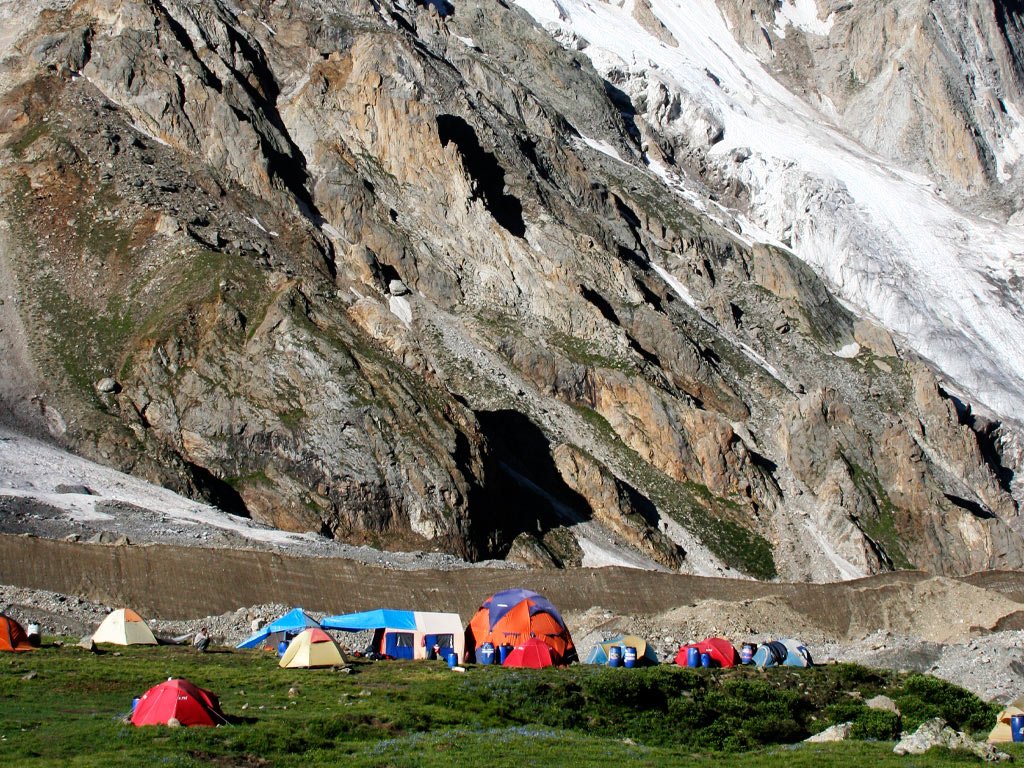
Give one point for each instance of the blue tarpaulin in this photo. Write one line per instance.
(291, 623)
(382, 618)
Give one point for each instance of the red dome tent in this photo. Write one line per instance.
(12, 635)
(718, 648)
(514, 616)
(178, 699)
(534, 654)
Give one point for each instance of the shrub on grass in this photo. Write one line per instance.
(924, 697)
(877, 725)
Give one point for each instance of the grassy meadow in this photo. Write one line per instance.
(63, 706)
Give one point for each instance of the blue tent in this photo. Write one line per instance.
(787, 653)
(645, 654)
(382, 617)
(291, 623)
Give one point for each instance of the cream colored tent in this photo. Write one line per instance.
(124, 627)
(312, 648)
(1002, 730)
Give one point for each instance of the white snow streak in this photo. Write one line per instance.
(936, 276)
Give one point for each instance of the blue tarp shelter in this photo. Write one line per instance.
(290, 624)
(405, 634)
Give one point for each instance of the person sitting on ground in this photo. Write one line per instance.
(202, 640)
(34, 634)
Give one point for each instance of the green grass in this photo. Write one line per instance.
(419, 713)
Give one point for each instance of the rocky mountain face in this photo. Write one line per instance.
(402, 274)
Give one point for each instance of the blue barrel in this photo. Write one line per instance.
(628, 657)
(1017, 727)
(692, 657)
(135, 703)
(453, 659)
(614, 655)
(747, 653)
(282, 647)
(503, 652)
(705, 660)
(485, 654)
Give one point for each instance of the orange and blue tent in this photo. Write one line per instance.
(514, 616)
(12, 635)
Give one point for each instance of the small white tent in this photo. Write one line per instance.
(124, 627)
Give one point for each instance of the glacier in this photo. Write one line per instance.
(887, 240)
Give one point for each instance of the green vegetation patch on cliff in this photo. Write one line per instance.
(711, 518)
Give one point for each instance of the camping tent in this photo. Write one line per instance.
(1002, 731)
(644, 653)
(789, 653)
(534, 653)
(13, 637)
(405, 634)
(178, 699)
(719, 649)
(514, 616)
(123, 627)
(312, 647)
(283, 628)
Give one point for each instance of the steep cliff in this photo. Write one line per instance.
(404, 275)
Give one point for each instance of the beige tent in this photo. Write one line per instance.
(1002, 730)
(312, 648)
(124, 627)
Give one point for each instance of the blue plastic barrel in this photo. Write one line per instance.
(629, 657)
(485, 654)
(503, 652)
(705, 660)
(614, 655)
(747, 653)
(692, 657)
(453, 659)
(282, 647)
(135, 703)
(1017, 727)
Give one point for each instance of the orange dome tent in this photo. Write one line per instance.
(12, 635)
(514, 616)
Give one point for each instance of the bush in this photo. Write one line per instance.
(924, 697)
(876, 724)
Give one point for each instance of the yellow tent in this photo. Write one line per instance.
(312, 648)
(124, 627)
(1002, 730)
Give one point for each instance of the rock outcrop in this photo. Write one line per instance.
(355, 269)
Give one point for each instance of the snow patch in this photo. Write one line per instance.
(401, 309)
(802, 14)
(849, 351)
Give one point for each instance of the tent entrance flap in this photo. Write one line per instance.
(445, 643)
(399, 645)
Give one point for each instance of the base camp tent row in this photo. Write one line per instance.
(405, 634)
(124, 627)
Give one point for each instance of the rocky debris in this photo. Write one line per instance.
(837, 732)
(935, 733)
